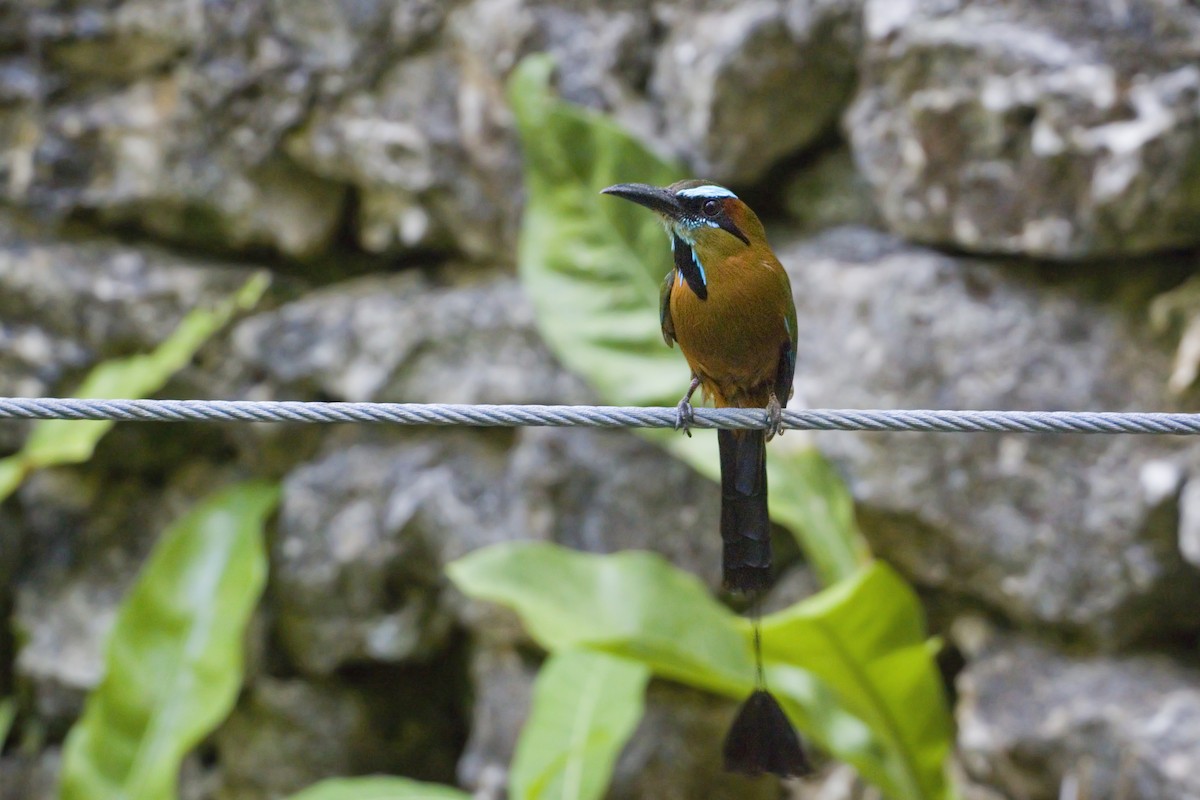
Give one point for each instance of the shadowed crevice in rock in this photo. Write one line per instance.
(287, 734)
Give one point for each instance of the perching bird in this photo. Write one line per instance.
(728, 303)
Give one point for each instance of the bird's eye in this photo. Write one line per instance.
(712, 208)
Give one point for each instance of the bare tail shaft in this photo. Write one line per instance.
(745, 523)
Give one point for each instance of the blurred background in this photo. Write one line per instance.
(982, 204)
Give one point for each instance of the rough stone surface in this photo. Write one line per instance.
(1189, 522)
(502, 686)
(430, 145)
(363, 536)
(603, 491)
(744, 84)
(1065, 129)
(30, 777)
(173, 135)
(1032, 721)
(402, 141)
(405, 338)
(273, 126)
(65, 306)
(1074, 532)
(366, 530)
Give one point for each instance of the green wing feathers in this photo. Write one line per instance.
(664, 308)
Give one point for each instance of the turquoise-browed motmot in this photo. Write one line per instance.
(728, 303)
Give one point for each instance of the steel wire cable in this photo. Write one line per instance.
(446, 414)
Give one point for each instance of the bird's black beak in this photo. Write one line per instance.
(652, 197)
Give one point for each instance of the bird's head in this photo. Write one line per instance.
(707, 217)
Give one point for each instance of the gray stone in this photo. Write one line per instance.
(605, 491)
(1175, 315)
(270, 125)
(456, 338)
(272, 205)
(839, 782)
(168, 117)
(1075, 532)
(1034, 722)
(421, 183)
(287, 735)
(502, 689)
(1065, 130)
(117, 43)
(363, 536)
(65, 306)
(742, 85)
(430, 145)
(366, 530)
(29, 776)
(1189, 522)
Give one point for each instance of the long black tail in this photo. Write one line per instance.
(745, 524)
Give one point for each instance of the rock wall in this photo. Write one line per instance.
(152, 152)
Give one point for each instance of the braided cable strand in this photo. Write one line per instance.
(507, 416)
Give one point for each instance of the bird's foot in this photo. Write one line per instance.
(684, 417)
(774, 418)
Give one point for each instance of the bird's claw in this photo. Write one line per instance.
(684, 417)
(774, 418)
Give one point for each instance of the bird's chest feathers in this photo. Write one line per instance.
(733, 327)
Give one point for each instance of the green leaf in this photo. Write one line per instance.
(379, 787)
(851, 664)
(174, 657)
(592, 266)
(632, 604)
(8, 715)
(865, 641)
(12, 472)
(57, 442)
(585, 707)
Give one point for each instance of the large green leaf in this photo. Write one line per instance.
(585, 707)
(851, 664)
(864, 640)
(592, 266)
(632, 604)
(379, 787)
(57, 442)
(174, 657)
